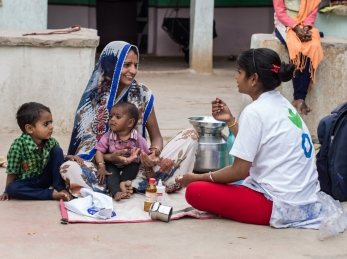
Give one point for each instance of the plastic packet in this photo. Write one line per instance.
(335, 221)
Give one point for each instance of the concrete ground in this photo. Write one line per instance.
(32, 229)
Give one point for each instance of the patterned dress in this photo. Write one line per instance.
(177, 157)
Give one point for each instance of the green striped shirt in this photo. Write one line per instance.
(24, 160)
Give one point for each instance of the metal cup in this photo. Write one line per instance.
(161, 212)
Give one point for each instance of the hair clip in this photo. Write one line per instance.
(275, 68)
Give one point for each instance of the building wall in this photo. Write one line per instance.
(332, 25)
(233, 26)
(50, 69)
(73, 15)
(19, 14)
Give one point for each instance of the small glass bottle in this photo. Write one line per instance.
(151, 194)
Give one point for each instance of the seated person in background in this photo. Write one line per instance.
(122, 135)
(34, 158)
(294, 21)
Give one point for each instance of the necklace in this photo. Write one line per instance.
(40, 147)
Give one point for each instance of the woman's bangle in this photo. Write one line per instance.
(232, 125)
(211, 176)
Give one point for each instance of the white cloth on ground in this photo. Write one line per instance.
(91, 200)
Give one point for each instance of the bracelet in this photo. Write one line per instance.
(210, 176)
(232, 125)
(100, 163)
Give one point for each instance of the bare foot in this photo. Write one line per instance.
(120, 195)
(127, 188)
(301, 106)
(149, 172)
(174, 187)
(64, 194)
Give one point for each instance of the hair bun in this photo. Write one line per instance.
(286, 72)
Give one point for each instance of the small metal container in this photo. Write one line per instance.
(212, 153)
(161, 212)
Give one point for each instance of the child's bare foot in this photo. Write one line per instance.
(301, 106)
(64, 194)
(120, 195)
(127, 188)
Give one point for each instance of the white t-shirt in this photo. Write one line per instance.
(275, 139)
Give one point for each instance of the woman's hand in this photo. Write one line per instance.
(79, 160)
(102, 173)
(149, 160)
(300, 33)
(5, 197)
(187, 179)
(221, 112)
(308, 35)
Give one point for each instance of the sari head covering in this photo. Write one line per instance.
(300, 51)
(100, 95)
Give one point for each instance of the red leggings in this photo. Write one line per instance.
(231, 201)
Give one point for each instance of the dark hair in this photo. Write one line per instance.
(135, 50)
(30, 113)
(130, 109)
(261, 61)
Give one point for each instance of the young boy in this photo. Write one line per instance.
(34, 158)
(122, 135)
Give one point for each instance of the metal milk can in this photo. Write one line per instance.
(212, 153)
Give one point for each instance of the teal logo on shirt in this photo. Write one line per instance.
(306, 143)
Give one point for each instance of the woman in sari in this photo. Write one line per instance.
(112, 81)
(294, 21)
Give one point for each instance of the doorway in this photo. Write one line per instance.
(125, 20)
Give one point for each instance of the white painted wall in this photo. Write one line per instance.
(23, 14)
(234, 27)
(64, 16)
(332, 25)
(55, 77)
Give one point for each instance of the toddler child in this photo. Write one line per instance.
(122, 135)
(34, 158)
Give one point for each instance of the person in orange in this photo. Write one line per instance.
(294, 21)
